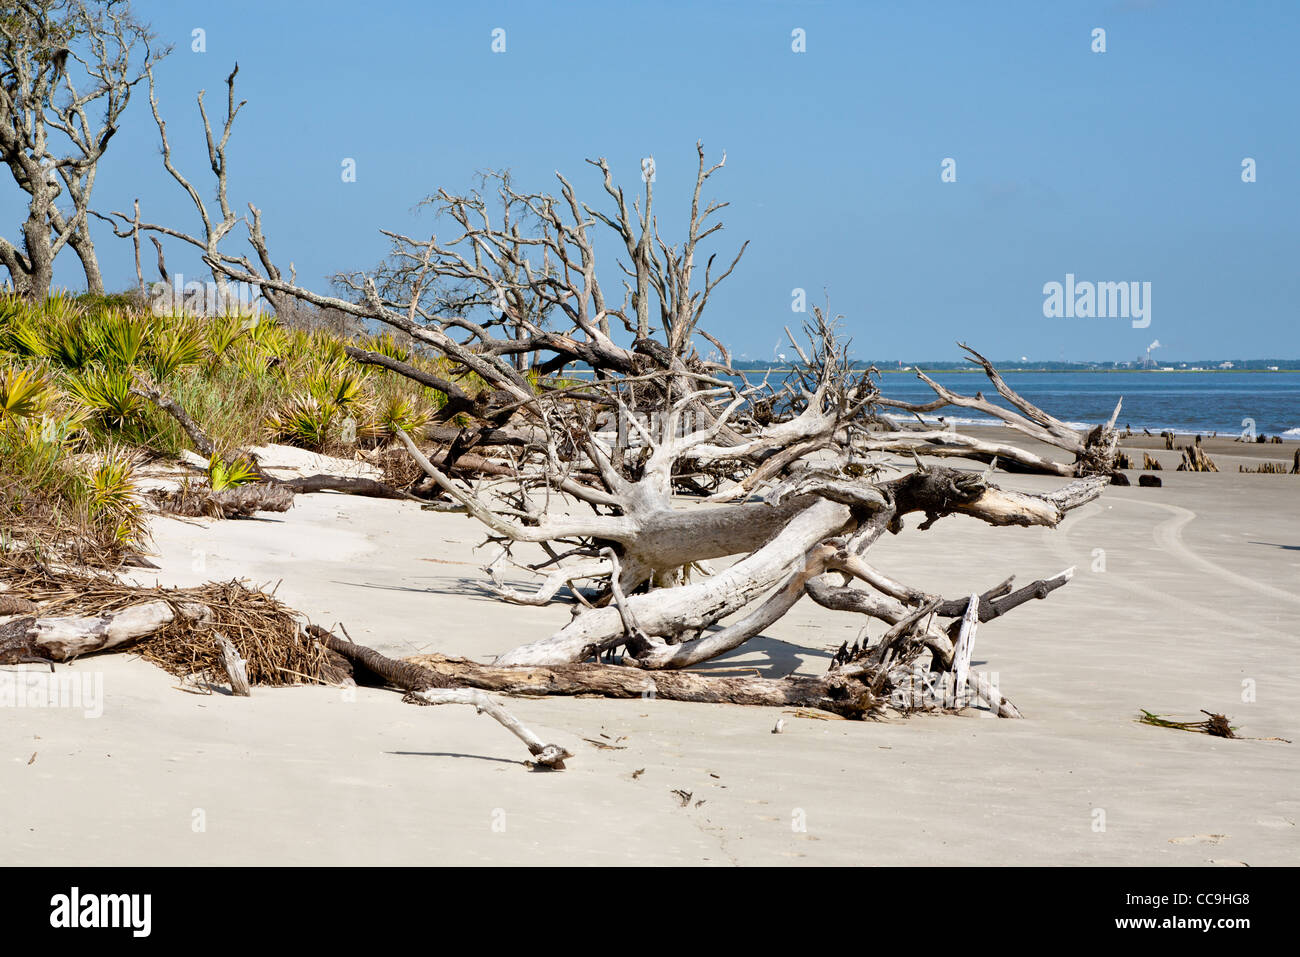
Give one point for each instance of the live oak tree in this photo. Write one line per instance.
(67, 70)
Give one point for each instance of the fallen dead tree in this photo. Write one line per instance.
(793, 481)
(847, 695)
(267, 494)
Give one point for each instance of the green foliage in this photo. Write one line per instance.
(112, 503)
(386, 345)
(224, 331)
(116, 338)
(224, 475)
(72, 424)
(336, 383)
(303, 421)
(106, 392)
(175, 344)
(23, 393)
(391, 413)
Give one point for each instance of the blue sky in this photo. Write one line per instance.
(1115, 166)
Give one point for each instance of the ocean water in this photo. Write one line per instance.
(1185, 402)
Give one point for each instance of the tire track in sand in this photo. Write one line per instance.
(1168, 535)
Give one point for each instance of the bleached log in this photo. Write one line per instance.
(961, 653)
(350, 484)
(840, 695)
(694, 606)
(63, 638)
(236, 667)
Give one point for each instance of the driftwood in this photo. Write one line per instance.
(964, 647)
(1266, 468)
(794, 476)
(1216, 725)
(427, 687)
(242, 501)
(270, 494)
(173, 408)
(352, 485)
(841, 695)
(1095, 451)
(64, 638)
(236, 667)
(1195, 459)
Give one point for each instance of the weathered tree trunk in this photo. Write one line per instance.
(64, 638)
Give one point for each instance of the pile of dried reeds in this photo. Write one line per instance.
(266, 633)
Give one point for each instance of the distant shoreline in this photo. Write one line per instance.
(1002, 370)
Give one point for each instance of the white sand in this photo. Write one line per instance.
(1200, 592)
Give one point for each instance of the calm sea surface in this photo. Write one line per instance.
(1177, 401)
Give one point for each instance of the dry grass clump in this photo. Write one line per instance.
(267, 634)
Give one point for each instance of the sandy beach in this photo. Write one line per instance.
(1185, 597)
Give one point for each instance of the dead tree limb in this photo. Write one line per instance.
(424, 686)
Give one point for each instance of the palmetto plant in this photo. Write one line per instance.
(389, 414)
(58, 429)
(112, 502)
(23, 393)
(107, 393)
(65, 341)
(224, 331)
(20, 330)
(174, 344)
(386, 345)
(271, 337)
(338, 383)
(224, 475)
(249, 358)
(115, 337)
(326, 346)
(304, 421)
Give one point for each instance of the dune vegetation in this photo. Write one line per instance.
(83, 385)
